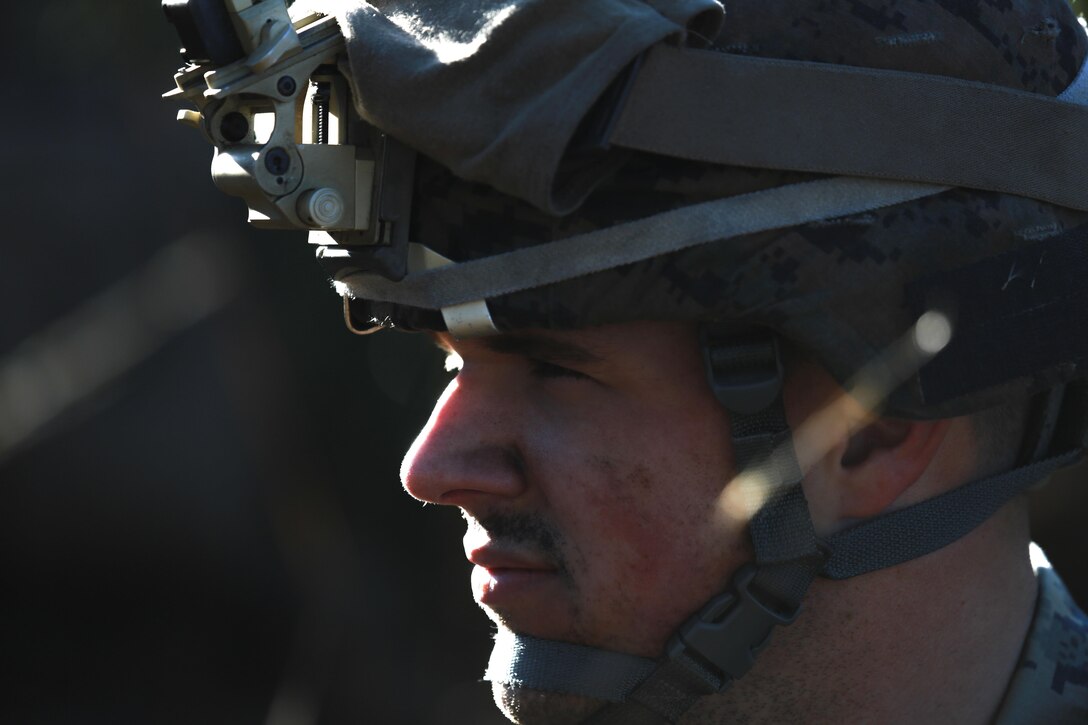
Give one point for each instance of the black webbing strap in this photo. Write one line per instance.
(911, 532)
(719, 644)
(1041, 426)
(770, 113)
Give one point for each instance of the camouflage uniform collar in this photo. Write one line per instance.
(1050, 683)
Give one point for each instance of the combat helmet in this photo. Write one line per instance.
(894, 188)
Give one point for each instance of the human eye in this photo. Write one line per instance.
(550, 370)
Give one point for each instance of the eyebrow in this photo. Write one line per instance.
(535, 346)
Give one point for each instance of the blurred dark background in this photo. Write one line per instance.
(199, 506)
(199, 509)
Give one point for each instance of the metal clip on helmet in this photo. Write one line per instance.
(272, 99)
(856, 183)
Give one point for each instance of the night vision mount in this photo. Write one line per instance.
(270, 85)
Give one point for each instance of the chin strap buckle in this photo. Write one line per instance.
(744, 370)
(730, 630)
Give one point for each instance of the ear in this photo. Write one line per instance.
(856, 465)
(879, 462)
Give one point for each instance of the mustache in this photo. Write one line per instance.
(524, 530)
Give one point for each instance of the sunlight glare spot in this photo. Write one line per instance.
(264, 125)
(453, 362)
(447, 47)
(932, 332)
(743, 497)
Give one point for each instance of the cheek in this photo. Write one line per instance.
(655, 522)
(648, 543)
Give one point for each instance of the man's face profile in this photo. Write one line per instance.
(588, 466)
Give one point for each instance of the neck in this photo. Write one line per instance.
(901, 645)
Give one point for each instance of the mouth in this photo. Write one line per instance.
(508, 578)
(515, 594)
(492, 587)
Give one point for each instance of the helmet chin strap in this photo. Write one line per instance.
(719, 643)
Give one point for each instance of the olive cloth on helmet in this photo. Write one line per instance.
(463, 82)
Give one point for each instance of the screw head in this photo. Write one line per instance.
(286, 86)
(277, 161)
(234, 127)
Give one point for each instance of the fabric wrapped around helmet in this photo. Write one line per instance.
(495, 89)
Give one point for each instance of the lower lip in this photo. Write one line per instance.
(496, 587)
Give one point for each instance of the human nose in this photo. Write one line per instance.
(467, 451)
